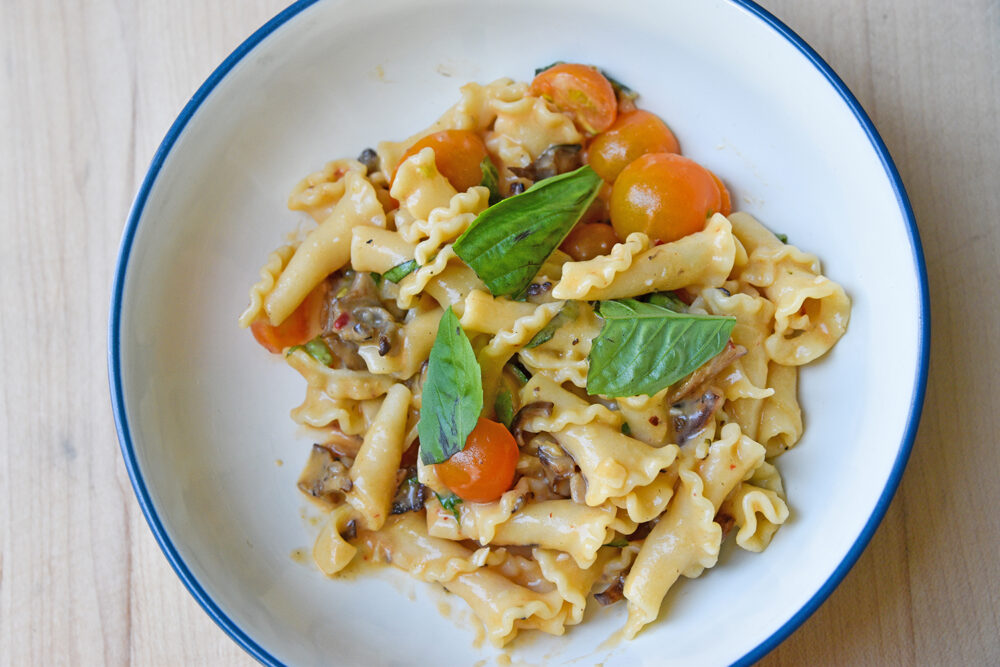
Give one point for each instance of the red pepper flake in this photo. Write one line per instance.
(732, 466)
(341, 321)
(654, 420)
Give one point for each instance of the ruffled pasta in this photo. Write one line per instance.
(269, 273)
(525, 127)
(781, 417)
(332, 552)
(563, 358)
(319, 192)
(567, 408)
(444, 224)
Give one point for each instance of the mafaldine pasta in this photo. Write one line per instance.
(545, 361)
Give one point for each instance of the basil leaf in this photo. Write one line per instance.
(400, 271)
(452, 394)
(491, 179)
(539, 70)
(643, 348)
(782, 237)
(620, 542)
(376, 277)
(566, 315)
(626, 429)
(504, 406)
(621, 90)
(317, 349)
(450, 503)
(508, 242)
(668, 300)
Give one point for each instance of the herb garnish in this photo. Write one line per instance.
(504, 407)
(491, 179)
(565, 315)
(450, 503)
(400, 271)
(317, 349)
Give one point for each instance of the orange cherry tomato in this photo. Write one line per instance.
(458, 155)
(297, 329)
(588, 240)
(727, 202)
(633, 134)
(665, 195)
(482, 471)
(580, 91)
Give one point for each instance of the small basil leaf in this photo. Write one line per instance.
(519, 371)
(620, 88)
(491, 179)
(450, 503)
(317, 349)
(539, 70)
(620, 542)
(376, 277)
(643, 348)
(565, 315)
(626, 429)
(782, 237)
(668, 300)
(508, 242)
(504, 406)
(400, 271)
(452, 394)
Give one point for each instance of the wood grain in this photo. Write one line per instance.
(87, 91)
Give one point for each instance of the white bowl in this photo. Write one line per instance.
(202, 412)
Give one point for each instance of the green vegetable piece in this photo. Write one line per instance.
(317, 349)
(504, 406)
(620, 542)
(519, 371)
(643, 348)
(491, 179)
(566, 315)
(539, 70)
(668, 300)
(626, 429)
(621, 90)
(400, 271)
(450, 503)
(782, 237)
(508, 242)
(377, 277)
(452, 394)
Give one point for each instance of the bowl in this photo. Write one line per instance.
(202, 414)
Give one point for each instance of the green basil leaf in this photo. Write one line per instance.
(668, 300)
(400, 271)
(621, 90)
(504, 406)
(452, 394)
(643, 348)
(317, 349)
(782, 237)
(626, 429)
(508, 242)
(620, 542)
(377, 277)
(491, 179)
(539, 70)
(450, 503)
(515, 367)
(566, 315)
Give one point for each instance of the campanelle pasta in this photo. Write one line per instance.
(590, 428)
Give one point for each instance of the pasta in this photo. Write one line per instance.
(524, 387)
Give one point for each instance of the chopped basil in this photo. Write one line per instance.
(620, 542)
(621, 90)
(450, 503)
(491, 179)
(508, 242)
(643, 348)
(539, 70)
(566, 315)
(782, 237)
(452, 394)
(668, 300)
(504, 407)
(376, 277)
(400, 271)
(626, 429)
(519, 371)
(317, 349)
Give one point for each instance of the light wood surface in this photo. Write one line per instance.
(87, 91)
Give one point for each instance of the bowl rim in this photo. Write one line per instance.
(138, 206)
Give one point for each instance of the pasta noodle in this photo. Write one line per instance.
(528, 426)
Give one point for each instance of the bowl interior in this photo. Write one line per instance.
(205, 411)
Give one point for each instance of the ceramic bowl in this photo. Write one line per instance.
(202, 413)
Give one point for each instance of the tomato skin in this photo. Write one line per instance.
(458, 155)
(633, 134)
(588, 240)
(664, 195)
(482, 471)
(727, 203)
(580, 91)
(298, 328)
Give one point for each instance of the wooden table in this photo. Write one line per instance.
(87, 91)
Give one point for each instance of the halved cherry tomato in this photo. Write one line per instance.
(482, 471)
(298, 328)
(727, 202)
(665, 195)
(458, 155)
(633, 134)
(580, 91)
(588, 240)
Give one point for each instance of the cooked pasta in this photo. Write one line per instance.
(527, 384)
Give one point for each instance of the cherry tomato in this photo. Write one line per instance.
(588, 240)
(633, 134)
(298, 328)
(665, 195)
(727, 203)
(580, 91)
(458, 155)
(482, 471)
